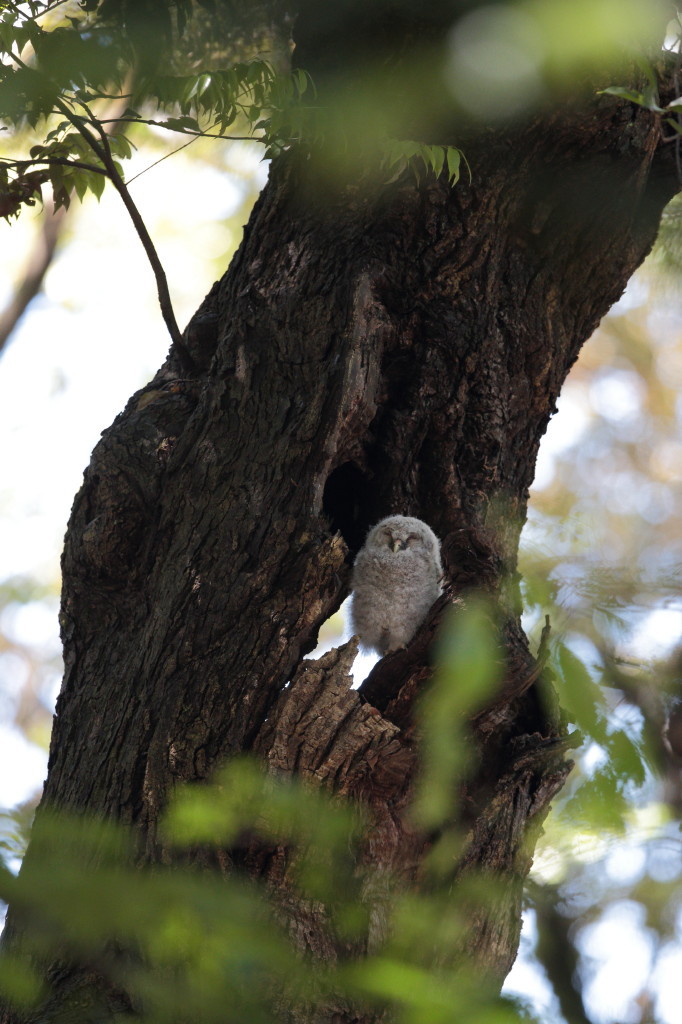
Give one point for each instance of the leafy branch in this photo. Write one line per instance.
(101, 148)
(77, 63)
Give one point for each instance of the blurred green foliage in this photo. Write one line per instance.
(191, 943)
(602, 554)
(64, 63)
(396, 80)
(469, 672)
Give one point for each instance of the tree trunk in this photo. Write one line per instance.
(398, 349)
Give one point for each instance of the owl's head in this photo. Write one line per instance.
(404, 533)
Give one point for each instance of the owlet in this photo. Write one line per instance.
(396, 579)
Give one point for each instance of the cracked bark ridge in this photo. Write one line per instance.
(321, 729)
(367, 352)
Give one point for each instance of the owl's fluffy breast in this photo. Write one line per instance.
(392, 593)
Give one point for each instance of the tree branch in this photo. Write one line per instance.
(102, 151)
(59, 161)
(32, 279)
(180, 131)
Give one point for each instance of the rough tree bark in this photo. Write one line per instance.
(367, 352)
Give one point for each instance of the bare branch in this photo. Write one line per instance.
(34, 273)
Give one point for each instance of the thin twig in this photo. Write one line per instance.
(543, 648)
(159, 161)
(34, 273)
(144, 236)
(102, 151)
(183, 131)
(59, 161)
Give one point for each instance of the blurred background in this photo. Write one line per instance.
(601, 549)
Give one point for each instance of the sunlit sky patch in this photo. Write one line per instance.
(619, 949)
(23, 767)
(659, 631)
(527, 978)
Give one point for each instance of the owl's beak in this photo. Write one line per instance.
(398, 545)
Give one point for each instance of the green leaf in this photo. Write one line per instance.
(647, 99)
(650, 93)
(121, 145)
(626, 94)
(627, 757)
(599, 804)
(80, 183)
(202, 84)
(674, 124)
(97, 183)
(301, 80)
(579, 695)
(19, 982)
(454, 158)
(469, 670)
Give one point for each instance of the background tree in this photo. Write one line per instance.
(370, 349)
